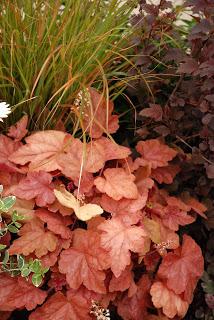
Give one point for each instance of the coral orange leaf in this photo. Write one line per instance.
(56, 223)
(135, 308)
(72, 159)
(173, 217)
(50, 259)
(119, 239)
(42, 150)
(56, 206)
(83, 262)
(24, 208)
(154, 317)
(102, 150)
(5, 315)
(98, 115)
(179, 267)
(38, 186)
(59, 307)
(125, 209)
(34, 238)
(16, 293)
(171, 303)
(165, 174)
(113, 150)
(124, 281)
(117, 184)
(19, 130)
(155, 153)
(7, 147)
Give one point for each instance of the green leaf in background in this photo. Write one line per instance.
(25, 272)
(6, 257)
(17, 224)
(37, 279)
(21, 262)
(12, 228)
(2, 246)
(16, 216)
(7, 203)
(36, 266)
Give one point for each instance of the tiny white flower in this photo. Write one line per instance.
(4, 110)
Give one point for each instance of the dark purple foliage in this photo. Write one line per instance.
(176, 71)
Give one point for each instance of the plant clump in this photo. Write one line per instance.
(95, 215)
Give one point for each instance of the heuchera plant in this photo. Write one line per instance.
(96, 216)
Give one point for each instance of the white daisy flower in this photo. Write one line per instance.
(4, 110)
